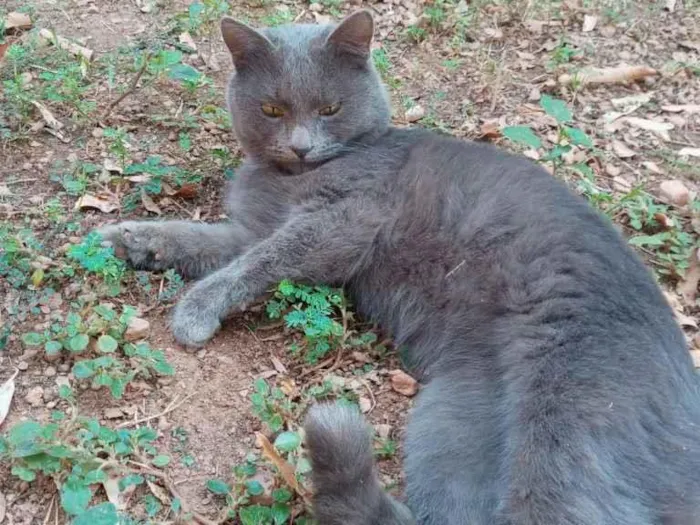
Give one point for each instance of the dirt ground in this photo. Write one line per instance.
(474, 69)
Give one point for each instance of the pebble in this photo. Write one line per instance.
(22, 365)
(137, 328)
(64, 367)
(113, 413)
(675, 192)
(383, 430)
(415, 113)
(50, 371)
(35, 396)
(98, 132)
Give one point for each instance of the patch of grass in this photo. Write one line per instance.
(277, 17)
(564, 53)
(415, 34)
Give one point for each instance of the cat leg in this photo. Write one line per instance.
(323, 246)
(193, 249)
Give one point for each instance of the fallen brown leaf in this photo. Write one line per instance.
(682, 108)
(688, 286)
(149, 203)
(66, 44)
(186, 39)
(490, 130)
(621, 150)
(159, 492)
(285, 468)
(660, 128)
(15, 20)
(3, 49)
(106, 203)
(402, 383)
(187, 191)
(614, 75)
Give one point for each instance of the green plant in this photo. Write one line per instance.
(277, 17)
(116, 144)
(271, 405)
(100, 260)
(563, 53)
(415, 34)
(568, 136)
(79, 455)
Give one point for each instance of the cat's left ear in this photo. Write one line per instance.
(354, 34)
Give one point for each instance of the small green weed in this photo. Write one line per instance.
(99, 260)
(79, 454)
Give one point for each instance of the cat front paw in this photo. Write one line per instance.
(195, 320)
(142, 244)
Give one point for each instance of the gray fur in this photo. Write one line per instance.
(343, 471)
(558, 386)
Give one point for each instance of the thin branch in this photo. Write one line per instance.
(130, 89)
(172, 406)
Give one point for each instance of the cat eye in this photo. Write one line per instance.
(327, 111)
(272, 111)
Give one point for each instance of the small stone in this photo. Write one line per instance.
(35, 396)
(612, 170)
(51, 404)
(402, 383)
(534, 95)
(50, 371)
(98, 132)
(201, 354)
(675, 192)
(137, 328)
(365, 404)
(113, 413)
(62, 381)
(383, 430)
(22, 365)
(415, 113)
(64, 367)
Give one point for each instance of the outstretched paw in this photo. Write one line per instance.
(140, 243)
(195, 321)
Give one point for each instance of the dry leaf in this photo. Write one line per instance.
(149, 203)
(490, 130)
(402, 383)
(66, 44)
(112, 166)
(682, 108)
(106, 203)
(613, 75)
(286, 470)
(138, 179)
(3, 49)
(279, 366)
(186, 191)
(186, 38)
(589, 23)
(621, 150)
(689, 152)
(3, 507)
(159, 492)
(48, 117)
(688, 286)
(660, 128)
(15, 20)
(7, 390)
(653, 167)
(634, 101)
(670, 6)
(5, 191)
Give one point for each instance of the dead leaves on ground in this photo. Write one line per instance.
(612, 75)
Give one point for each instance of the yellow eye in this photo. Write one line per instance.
(272, 111)
(327, 111)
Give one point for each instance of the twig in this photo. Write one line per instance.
(371, 394)
(172, 406)
(48, 512)
(130, 89)
(19, 181)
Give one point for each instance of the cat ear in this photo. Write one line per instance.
(244, 43)
(354, 34)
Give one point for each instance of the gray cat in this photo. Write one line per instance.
(558, 388)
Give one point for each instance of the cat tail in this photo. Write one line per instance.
(346, 487)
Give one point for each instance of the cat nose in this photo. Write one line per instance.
(301, 151)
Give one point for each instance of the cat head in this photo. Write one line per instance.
(300, 93)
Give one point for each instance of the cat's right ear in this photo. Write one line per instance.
(245, 44)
